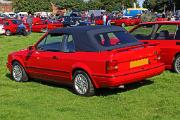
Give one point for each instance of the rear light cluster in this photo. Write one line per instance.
(112, 66)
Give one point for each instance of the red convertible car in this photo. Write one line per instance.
(87, 57)
(11, 26)
(167, 35)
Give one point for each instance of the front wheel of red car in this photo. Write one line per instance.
(8, 33)
(82, 84)
(18, 73)
(177, 64)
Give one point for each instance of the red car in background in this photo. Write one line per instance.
(45, 25)
(125, 22)
(167, 35)
(87, 58)
(1, 20)
(128, 21)
(121, 21)
(11, 26)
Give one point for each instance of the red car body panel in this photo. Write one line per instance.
(169, 48)
(161, 19)
(1, 20)
(41, 25)
(60, 66)
(99, 22)
(119, 22)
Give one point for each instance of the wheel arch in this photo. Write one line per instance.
(178, 53)
(19, 61)
(86, 70)
(174, 60)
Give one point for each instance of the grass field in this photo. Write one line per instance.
(156, 98)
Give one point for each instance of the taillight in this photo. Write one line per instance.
(112, 66)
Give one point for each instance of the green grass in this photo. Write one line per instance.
(157, 98)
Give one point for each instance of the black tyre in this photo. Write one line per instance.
(82, 84)
(18, 73)
(176, 64)
(8, 33)
(25, 33)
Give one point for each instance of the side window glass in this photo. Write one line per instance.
(52, 42)
(113, 39)
(70, 44)
(144, 32)
(177, 35)
(166, 32)
(41, 44)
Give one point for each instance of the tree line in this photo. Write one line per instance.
(109, 5)
(44, 5)
(160, 5)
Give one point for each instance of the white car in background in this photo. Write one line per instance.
(2, 31)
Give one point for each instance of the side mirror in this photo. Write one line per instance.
(31, 48)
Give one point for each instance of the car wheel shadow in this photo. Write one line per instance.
(99, 92)
(47, 83)
(128, 87)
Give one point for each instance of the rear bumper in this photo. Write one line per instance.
(128, 77)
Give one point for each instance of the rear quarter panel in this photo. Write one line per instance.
(169, 49)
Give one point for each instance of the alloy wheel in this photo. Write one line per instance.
(81, 84)
(177, 64)
(17, 73)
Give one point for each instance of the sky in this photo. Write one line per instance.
(140, 2)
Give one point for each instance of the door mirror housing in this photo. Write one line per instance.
(31, 48)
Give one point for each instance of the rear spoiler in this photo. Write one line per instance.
(133, 47)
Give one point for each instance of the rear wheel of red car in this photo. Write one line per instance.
(82, 84)
(18, 73)
(177, 64)
(8, 33)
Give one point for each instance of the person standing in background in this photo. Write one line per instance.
(92, 17)
(29, 22)
(104, 19)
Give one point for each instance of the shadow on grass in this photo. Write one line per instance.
(128, 87)
(47, 83)
(99, 92)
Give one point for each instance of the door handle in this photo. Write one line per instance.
(55, 58)
(177, 43)
(145, 42)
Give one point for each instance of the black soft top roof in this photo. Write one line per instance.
(84, 36)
